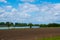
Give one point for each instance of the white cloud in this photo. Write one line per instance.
(31, 13)
(28, 8)
(8, 7)
(48, 13)
(57, 6)
(22, 13)
(13, 14)
(3, 1)
(27, 0)
(1, 10)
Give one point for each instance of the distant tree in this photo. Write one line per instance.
(24, 24)
(8, 24)
(36, 24)
(11, 24)
(53, 25)
(17, 24)
(30, 24)
(43, 25)
(2, 24)
(20, 24)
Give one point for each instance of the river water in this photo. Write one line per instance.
(1, 28)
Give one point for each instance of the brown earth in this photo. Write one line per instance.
(28, 34)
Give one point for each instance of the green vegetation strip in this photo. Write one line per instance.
(50, 38)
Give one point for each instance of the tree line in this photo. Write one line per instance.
(10, 24)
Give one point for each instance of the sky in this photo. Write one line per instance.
(30, 11)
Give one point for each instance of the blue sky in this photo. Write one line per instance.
(30, 11)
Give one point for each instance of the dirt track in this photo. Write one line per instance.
(28, 34)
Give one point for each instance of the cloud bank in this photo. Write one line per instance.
(3, 1)
(31, 13)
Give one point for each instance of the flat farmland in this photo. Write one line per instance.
(29, 34)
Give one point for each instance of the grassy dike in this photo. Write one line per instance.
(50, 38)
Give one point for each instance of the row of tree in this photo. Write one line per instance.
(10, 24)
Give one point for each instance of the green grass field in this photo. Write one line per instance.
(50, 38)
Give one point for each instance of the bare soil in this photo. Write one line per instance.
(28, 34)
